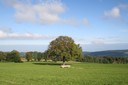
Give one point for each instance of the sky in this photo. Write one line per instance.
(30, 25)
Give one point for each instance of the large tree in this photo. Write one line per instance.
(64, 48)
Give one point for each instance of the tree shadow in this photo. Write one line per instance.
(47, 63)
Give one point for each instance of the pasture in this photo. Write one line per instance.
(43, 73)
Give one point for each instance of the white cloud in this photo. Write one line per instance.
(42, 11)
(2, 34)
(24, 13)
(114, 13)
(97, 41)
(100, 40)
(107, 40)
(12, 35)
(119, 12)
(81, 41)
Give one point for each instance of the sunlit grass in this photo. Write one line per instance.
(42, 73)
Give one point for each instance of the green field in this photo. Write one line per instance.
(51, 74)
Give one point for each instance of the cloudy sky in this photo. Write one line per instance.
(94, 24)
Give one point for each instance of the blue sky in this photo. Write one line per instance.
(94, 24)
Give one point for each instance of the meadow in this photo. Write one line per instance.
(43, 73)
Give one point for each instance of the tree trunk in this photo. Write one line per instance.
(63, 60)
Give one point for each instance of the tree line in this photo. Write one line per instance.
(105, 59)
(14, 56)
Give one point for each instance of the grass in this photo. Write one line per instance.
(41, 73)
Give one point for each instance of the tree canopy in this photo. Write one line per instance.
(29, 56)
(64, 48)
(2, 55)
(13, 56)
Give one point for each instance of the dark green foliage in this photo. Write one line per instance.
(64, 46)
(13, 56)
(29, 56)
(34, 55)
(112, 53)
(106, 60)
(2, 56)
(46, 55)
(39, 56)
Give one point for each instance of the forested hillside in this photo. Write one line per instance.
(112, 53)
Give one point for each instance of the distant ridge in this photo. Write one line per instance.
(112, 53)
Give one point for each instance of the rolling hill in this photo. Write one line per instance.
(112, 53)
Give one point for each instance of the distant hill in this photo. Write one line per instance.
(112, 53)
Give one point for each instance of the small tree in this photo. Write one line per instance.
(64, 48)
(35, 55)
(39, 56)
(46, 55)
(29, 56)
